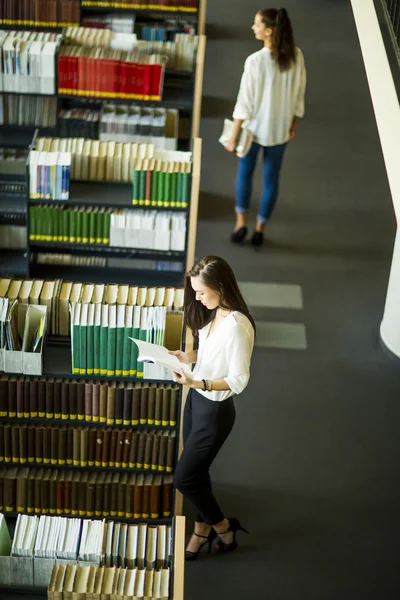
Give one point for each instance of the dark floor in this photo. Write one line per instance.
(312, 466)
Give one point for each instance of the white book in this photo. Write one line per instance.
(141, 552)
(132, 546)
(151, 549)
(161, 547)
(165, 584)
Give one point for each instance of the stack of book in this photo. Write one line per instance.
(137, 546)
(93, 160)
(122, 228)
(106, 403)
(76, 122)
(50, 174)
(23, 110)
(28, 62)
(181, 53)
(40, 13)
(13, 237)
(84, 493)
(159, 5)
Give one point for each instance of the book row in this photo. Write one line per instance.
(50, 174)
(97, 262)
(13, 236)
(111, 583)
(88, 447)
(79, 122)
(38, 111)
(106, 403)
(122, 228)
(109, 544)
(28, 62)
(58, 294)
(85, 494)
(40, 13)
(93, 160)
(158, 5)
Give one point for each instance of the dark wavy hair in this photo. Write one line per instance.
(283, 44)
(216, 274)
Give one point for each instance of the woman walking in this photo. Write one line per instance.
(216, 312)
(270, 100)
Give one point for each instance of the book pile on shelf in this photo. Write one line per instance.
(114, 22)
(28, 62)
(161, 32)
(65, 491)
(12, 156)
(21, 110)
(105, 403)
(181, 52)
(49, 175)
(79, 122)
(158, 5)
(159, 126)
(160, 177)
(13, 234)
(40, 13)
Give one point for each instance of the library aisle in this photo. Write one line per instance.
(311, 468)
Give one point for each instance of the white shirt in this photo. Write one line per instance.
(225, 354)
(269, 99)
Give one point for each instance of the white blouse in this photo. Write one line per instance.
(225, 354)
(269, 98)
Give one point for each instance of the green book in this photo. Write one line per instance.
(100, 226)
(111, 343)
(83, 339)
(90, 340)
(96, 339)
(106, 227)
(65, 225)
(127, 343)
(173, 196)
(79, 227)
(185, 190)
(119, 344)
(167, 189)
(143, 333)
(104, 339)
(75, 341)
(85, 226)
(32, 223)
(135, 187)
(142, 187)
(73, 218)
(161, 185)
(154, 188)
(179, 183)
(135, 334)
(92, 226)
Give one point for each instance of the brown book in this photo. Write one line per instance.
(98, 448)
(171, 449)
(166, 495)
(42, 399)
(134, 449)
(77, 447)
(27, 400)
(122, 492)
(2, 475)
(103, 402)
(33, 398)
(127, 408)
(138, 497)
(23, 444)
(92, 446)
(148, 450)
(156, 451)
(54, 445)
(105, 447)
(155, 497)
(60, 492)
(130, 490)
(162, 457)
(53, 493)
(73, 400)
(114, 495)
(107, 495)
(136, 396)
(151, 408)
(22, 490)
(83, 482)
(50, 399)
(31, 443)
(1, 442)
(45, 491)
(148, 480)
(88, 401)
(119, 404)
(48, 442)
(62, 445)
(173, 409)
(15, 443)
(91, 494)
(113, 448)
(84, 447)
(20, 398)
(69, 452)
(140, 450)
(7, 443)
(57, 399)
(38, 491)
(67, 492)
(9, 490)
(80, 400)
(144, 404)
(96, 402)
(12, 397)
(119, 448)
(166, 406)
(39, 444)
(31, 492)
(99, 492)
(75, 494)
(3, 397)
(158, 408)
(126, 448)
(65, 400)
(111, 404)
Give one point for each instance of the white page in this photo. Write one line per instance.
(159, 355)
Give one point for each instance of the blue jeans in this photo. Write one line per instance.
(272, 163)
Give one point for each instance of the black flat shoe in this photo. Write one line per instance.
(234, 526)
(239, 235)
(209, 540)
(257, 239)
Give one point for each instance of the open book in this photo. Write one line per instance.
(158, 355)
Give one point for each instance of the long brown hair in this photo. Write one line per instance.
(216, 274)
(283, 44)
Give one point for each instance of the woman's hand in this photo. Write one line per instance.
(181, 356)
(231, 144)
(182, 378)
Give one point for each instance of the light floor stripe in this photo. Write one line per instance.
(272, 295)
(289, 336)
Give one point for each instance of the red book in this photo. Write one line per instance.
(141, 81)
(62, 71)
(123, 84)
(81, 75)
(156, 81)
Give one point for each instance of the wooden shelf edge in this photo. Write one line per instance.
(179, 562)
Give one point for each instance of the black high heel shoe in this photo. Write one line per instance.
(257, 239)
(238, 236)
(234, 526)
(209, 540)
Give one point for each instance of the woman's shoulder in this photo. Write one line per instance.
(299, 54)
(241, 323)
(256, 57)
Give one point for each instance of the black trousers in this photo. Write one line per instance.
(206, 425)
